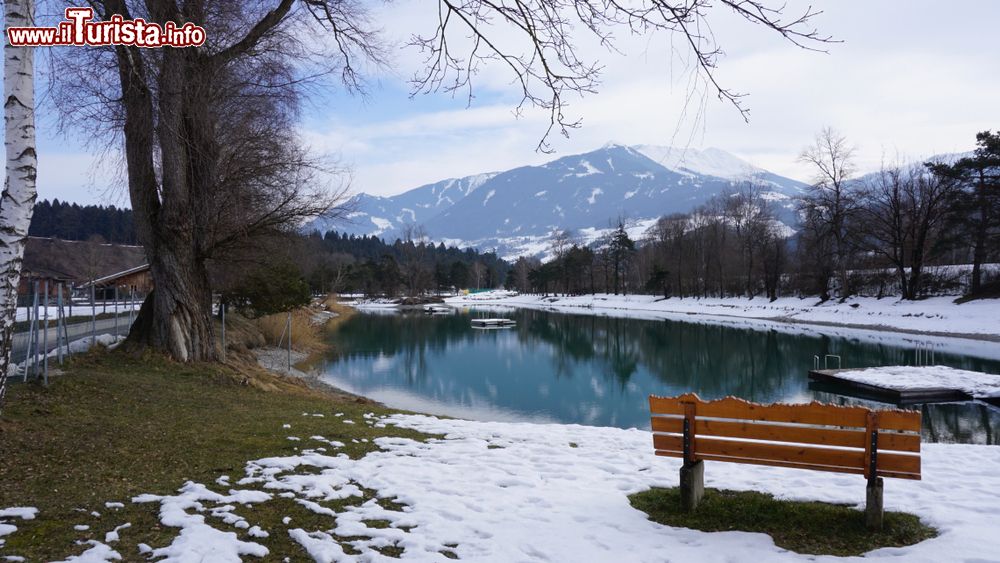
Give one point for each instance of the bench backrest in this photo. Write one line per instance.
(873, 443)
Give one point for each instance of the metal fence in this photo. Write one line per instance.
(50, 325)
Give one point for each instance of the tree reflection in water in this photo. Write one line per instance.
(599, 370)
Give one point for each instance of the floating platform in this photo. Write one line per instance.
(828, 380)
(493, 323)
(438, 309)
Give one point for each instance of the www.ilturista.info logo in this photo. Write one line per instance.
(80, 30)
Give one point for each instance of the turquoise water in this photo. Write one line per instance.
(595, 370)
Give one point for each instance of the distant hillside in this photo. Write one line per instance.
(71, 221)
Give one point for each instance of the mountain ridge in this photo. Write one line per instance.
(517, 210)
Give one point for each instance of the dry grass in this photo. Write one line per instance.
(309, 325)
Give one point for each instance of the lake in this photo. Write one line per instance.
(598, 370)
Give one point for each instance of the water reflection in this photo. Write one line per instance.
(599, 370)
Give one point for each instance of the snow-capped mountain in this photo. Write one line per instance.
(386, 216)
(516, 211)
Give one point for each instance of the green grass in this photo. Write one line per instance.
(115, 426)
(804, 527)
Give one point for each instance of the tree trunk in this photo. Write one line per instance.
(982, 230)
(177, 315)
(18, 200)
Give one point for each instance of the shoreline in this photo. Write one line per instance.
(304, 363)
(970, 327)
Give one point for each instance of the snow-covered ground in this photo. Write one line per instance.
(979, 385)
(78, 310)
(936, 315)
(79, 346)
(499, 492)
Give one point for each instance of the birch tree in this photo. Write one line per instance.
(18, 198)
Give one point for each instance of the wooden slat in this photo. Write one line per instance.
(898, 475)
(898, 463)
(812, 413)
(898, 442)
(668, 405)
(668, 442)
(899, 420)
(805, 455)
(779, 452)
(784, 433)
(793, 465)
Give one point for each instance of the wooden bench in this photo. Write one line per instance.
(872, 443)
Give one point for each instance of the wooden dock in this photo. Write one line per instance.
(828, 380)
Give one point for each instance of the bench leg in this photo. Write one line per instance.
(873, 504)
(692, 485)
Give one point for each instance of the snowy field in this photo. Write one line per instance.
(901, 378)
(936, 315)
(511, 492)
(78, 310)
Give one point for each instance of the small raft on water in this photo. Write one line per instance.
(493, 323)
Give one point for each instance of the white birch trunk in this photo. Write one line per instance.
(18, 199)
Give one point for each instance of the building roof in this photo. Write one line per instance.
(108, 279)
(79, 261)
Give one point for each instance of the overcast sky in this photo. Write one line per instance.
(911, 78)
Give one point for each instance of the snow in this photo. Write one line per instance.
(79, 310)
(593, 195)
(489, 196)
(901, 378)
(22, 512)
(491, 491)
(79, 346)
(112, 536)
(588, 169)
(710, 161)
(97, 553)
(382, 224)
(198, 540)
(935, 316)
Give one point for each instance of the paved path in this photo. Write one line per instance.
(76, 331)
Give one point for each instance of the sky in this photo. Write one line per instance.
(908, 79)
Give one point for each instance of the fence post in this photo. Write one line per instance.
(289, 326)
(131, 306)
(116, 311)
(93, 314)
(222, 310)
(34, 355)
(27, 348)
(59, 322)
(45, 337)
(65, 326)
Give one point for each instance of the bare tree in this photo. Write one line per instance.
(905, 209)
(536, 40)
(478, 272)
(751, 218)
(18, 200)
(174, 108)
(209, 142)
(832, 199)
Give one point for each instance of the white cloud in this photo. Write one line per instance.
(909, 78)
